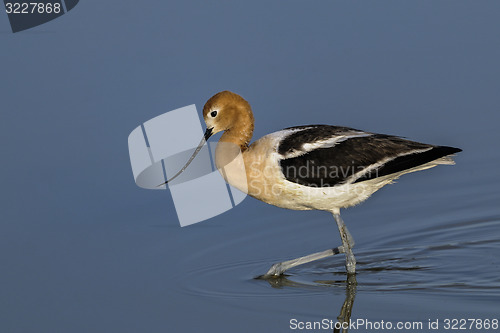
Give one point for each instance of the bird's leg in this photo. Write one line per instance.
(347, 243)
(346, 247)
(281, 267)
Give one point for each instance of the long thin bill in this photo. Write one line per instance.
(208, 134)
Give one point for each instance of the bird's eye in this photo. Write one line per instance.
(213, 114)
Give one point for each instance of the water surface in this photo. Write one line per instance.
(83, 249)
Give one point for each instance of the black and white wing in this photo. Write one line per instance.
(325, 156)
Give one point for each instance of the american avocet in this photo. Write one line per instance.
(309, 167)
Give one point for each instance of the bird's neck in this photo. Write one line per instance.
(239, 135)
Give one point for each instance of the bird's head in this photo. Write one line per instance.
(225, 111)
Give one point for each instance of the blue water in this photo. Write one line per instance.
(83, 249)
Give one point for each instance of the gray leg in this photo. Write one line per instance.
(347, 243)
(281, 267)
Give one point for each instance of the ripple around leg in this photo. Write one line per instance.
(428, 261)
(384, 269)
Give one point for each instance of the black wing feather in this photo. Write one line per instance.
(310, 133)
(326, 167)
(409, 161)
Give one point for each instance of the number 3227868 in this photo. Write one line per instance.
(32, 8)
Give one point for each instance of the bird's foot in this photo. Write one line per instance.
(275, 270)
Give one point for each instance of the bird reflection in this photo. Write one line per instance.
(351, 284)
(345, 312)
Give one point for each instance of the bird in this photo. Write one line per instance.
(310, 167)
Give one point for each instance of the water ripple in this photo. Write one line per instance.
(439, 265)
